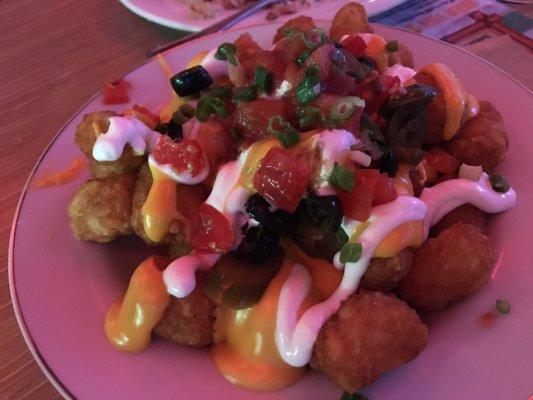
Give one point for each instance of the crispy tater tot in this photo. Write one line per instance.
(482, 140)
(466, 213)
(384, 273)
(370, 334)
(190, 320)
(448, 268)
(92, 125)
(101, 208)
(351, 18)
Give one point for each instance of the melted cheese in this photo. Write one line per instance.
(129, 321)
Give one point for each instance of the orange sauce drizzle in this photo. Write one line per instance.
(129, 322)
(67, 175)
(245, 349)
(159, 209)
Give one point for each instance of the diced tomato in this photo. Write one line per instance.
(340, 84)
(186, 155)
(387, 83)
(282, 179)
(210, 231)
(189, 197)
(116, 91)
(217, 144)
(321, 58)
(371, 189)
(300, 23)
(289, 48)
(326, 101)
(442, 161)
(251, 118)
(355, 45)
(144, 111)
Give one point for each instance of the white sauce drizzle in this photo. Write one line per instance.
(184, 177)
(295, 338)
(122, 131)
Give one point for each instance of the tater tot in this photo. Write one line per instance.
(188, 321)
(351, 18)
(101, 208)
(465, 213)
(448, 268)
(384, 273)
(87, 131)
(482, 140)
(370, 334)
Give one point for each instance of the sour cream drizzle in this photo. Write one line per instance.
(122, 131)
(295, 338)
(216, 68)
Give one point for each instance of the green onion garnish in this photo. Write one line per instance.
(184, 113)
(499, 183)
(353, 396)
(309, 116)
(208, 105)
(392, 46)
(309, 87)
(350, 252)
(302, 58)
(503, 306)
(226, 51)
(221, 91)
(263, 79)
(345, 106)
(342, 177)
(283, 131)
(244, 94)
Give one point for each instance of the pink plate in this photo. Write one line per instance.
(61, 287)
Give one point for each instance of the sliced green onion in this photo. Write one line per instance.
(283, 131)
(184, 113)
(221, 91)
(302, 58)
(208, 105)
(309, 116)
(226, 51)
(503, 306)
(309, 87)
(351, 252)
(342, 177)
(392, 46)
(499, 183)
(263, 79)
(345, 107)
(315, 38)
(243, 94)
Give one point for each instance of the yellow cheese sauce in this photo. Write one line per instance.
(159, 209)
(245, 350)
(129, 322)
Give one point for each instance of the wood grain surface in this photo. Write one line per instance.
(54, 55)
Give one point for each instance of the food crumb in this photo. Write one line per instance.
(62, 177)
(487, 319)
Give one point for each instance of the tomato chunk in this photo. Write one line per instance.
(298, 24)
(442, 161)
(147, 113)
(371, 189)
(251, 119)
(116, 91)
(282, 179)
(210, 231)
(355, 45)
(186, 155)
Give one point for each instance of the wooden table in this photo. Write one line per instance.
(54, 56)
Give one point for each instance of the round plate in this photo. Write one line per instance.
(61, 287)
(175, 13)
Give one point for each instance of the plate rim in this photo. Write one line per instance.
(40, 360)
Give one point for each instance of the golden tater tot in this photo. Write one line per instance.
(370, 334)
(351, 18)
(188, 321)
(92, 125)
(101, 208)
(448, 268)
(384, 273)
(466, 213)
(482, 140)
